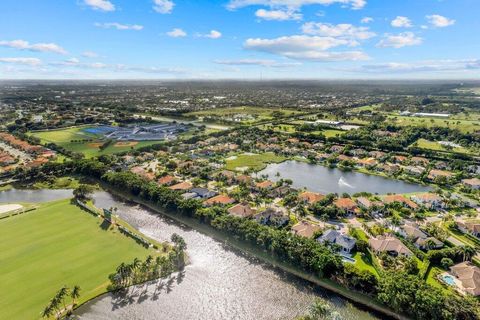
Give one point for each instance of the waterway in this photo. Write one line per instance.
(34, 196)
(318, 178)
(220, 282)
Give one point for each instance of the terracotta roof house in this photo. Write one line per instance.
(400, 199)
(343, 157)
(419, 160)
(185, 185)
(166, 180)
(310, 197)
(424, 243)
(242, 211)
(434, 173)
(428, 200)
(347, 205)
(388, 168)
(143, 173)
(244, 179)
(473, 183)
(305, 229)
(367, 162)
(469, 275)
(345, 242)
(229, 175)
(399, 159)
(390, 245)
(267, 184)
(220, 199)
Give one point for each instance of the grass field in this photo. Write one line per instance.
(254, 113)
(55, 245)
(433, 145)
(329, 133)
(77, 140)
(465, 126)
(255, 161)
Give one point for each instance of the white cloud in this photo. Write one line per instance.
(176, 33)
(439, 21)
(213, 34)
(90, 54)
(279, 15)
(163, 6)
(258, 62)
(22, 61)
(421, 66)
(294, 4)
(102, 5)
(303, 47)
(39, 47)
(343, 30)
(119, 26)
(401, 22)
(400, 40)
(366, 20)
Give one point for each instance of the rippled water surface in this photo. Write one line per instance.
(34, 196)
(219, 283)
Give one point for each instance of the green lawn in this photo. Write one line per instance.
(329, 133)
(55, 245)
(364, 262)
(77, 140)
(465, 126)
(433, 145)
(255, 161)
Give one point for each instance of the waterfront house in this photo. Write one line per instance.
(392, 198)
(434, 174)
(219, 200)
(469, 276)
(267, 184)
(309, 197)
(305, 229)
(347, 205)
(242, 210)
(389, 245)
(414, 170)
(345, 242)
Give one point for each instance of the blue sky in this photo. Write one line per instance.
(242, 39)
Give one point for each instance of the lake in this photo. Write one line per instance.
(220, 282)
(318, 178)
(34, 196)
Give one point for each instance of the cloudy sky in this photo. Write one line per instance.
(243, 39)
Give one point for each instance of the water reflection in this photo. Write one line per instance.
(318, 178)
(34, 196)
(219, 283)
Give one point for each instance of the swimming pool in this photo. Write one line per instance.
(448, 280)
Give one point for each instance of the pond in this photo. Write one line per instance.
(318, 178)
(220, 282)
(34, 196)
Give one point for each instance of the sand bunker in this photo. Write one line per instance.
(9, 207)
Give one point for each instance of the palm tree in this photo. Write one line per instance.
(75, 294)
(467, 252)
(47, 312)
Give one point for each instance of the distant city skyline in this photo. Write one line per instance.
(240, 39)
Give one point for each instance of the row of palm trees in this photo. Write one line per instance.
(57, 306)
(138, 271)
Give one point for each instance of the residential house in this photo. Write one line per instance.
(434, 174)
(399, 159)
(219, 200)
(203, 193)
(345, 242)
(309, 197)
(428, 200)
(305, 229)
(414, 170)
(469, 226)
(367, 162)
(182, 186)
(245, 179)
(273, 216)
(347, 205)
(267, 184)
(377, 154)
(389, 245)
(473, 183)
(166, 180)
(389, 168)
(241, 210)
(389, 199)
(469, 275)
(419, 161)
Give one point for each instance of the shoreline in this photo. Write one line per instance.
(358, 299)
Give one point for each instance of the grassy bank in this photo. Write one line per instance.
(57, 244)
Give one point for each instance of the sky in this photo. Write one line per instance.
(239, 39)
